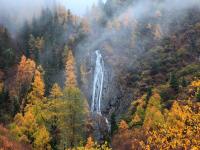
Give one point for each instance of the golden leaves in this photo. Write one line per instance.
(70, 71)
(123, 125)
(90, 143)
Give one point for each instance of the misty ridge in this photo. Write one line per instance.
(24, 10)
(153, 14)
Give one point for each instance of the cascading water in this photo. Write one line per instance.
(101, 122)
(98, 84)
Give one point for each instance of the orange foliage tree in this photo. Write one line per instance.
(70, 71)
(24, 76)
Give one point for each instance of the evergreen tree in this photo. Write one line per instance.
(114, 126)
(35, 47)
(174, 84)
(149, 93)
(184, 82)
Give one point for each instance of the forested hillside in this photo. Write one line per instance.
(146, 69)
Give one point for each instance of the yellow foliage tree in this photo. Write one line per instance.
(29, 131)
(195, 87)
(180, 130)
(139, 114)
(153, 115)
(56, 91)
(25, 127)
(70, 71)
(38, 89)
(42, 139)
(30, 126)
(24, 76)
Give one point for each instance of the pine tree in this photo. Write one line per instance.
(114, 126)
(184, 82)
(35, 46)
(174, 84)
(149, 93)
(70, 71)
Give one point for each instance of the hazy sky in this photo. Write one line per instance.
(79, 6)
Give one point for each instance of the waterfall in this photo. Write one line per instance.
(98, 84)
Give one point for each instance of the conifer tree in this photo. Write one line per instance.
(24, 76)
(70, 71)
(38, 89)
(56, 92)
(114, 126)
(153, 115)
(174, 84)
(75, 110)
(35, 46)
(74, 116)
(184, 82)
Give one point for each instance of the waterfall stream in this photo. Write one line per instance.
(97, 92)
(97, 84)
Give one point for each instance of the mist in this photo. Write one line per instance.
(140, 11)
(13, 13)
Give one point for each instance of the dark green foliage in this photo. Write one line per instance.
(174, 84)
(113, 123)
(55, 133)
(6, 108)
(167, 93)
(184, 82)
(57, 29)
(15, 105)
(7, 54)
(9, 57)
(198, 95)
(149, 93)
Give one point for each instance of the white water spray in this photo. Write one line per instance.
(98, 84)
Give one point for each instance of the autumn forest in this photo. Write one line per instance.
(125, 75)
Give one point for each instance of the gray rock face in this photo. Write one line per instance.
(115, 98)
(100, 129)
(113, 94)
